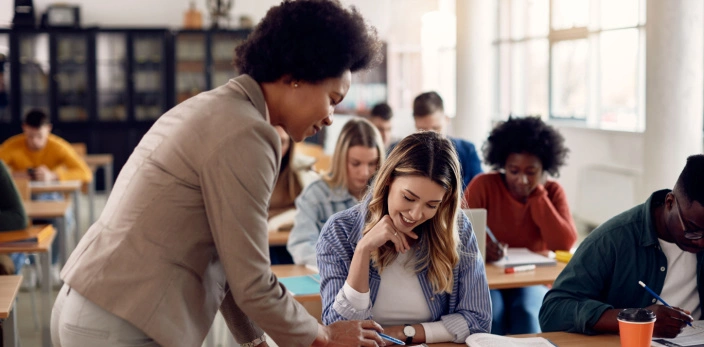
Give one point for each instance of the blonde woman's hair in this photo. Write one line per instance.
(424, 154)
(356, 132)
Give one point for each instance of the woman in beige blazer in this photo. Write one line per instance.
(184, 232)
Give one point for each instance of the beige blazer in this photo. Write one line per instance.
(188, 216)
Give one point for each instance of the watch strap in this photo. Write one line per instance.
(409, 339)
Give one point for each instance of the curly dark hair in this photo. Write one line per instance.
(311, 40)
(526, 135)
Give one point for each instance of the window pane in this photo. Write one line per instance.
(619, 13)
(569, 14)
(619, 79)
(569, 79)
(536, 86)
(529, 18)
(504, 19)
(504, 80)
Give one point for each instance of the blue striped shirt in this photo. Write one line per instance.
(466, 310)
(314, 206)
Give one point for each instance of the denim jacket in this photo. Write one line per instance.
(314, 206)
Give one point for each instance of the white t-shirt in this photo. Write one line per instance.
(680, 288)
(400, 300)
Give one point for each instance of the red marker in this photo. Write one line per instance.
(522, 268)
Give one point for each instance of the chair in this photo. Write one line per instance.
(478, 218)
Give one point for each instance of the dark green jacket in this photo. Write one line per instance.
(12, 214)
(604, 272)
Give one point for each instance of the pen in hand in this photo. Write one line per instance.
(657, 297)
(392, 339)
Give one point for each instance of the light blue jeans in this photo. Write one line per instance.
(515, 311)
(76, 321)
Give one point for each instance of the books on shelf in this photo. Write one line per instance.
(302, 285)
(489, 340)
(32, 235)
(523, 256)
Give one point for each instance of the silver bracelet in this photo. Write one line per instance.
(258, 341)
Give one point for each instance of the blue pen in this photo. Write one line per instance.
(394, 340)
(657, 297)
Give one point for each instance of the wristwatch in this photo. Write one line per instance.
(410, 332)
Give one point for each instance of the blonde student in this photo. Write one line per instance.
(358, 153)
(407, 255)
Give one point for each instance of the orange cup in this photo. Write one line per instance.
(636, 327)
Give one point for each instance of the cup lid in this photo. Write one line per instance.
(636, 315)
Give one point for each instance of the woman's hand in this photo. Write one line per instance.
(383, 232)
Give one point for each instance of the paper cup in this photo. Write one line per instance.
(636, 327)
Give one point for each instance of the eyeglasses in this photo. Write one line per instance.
(688, 234)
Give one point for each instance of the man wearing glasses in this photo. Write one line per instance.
(659, 243)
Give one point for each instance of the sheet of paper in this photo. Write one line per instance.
(523, 256)
(691, 337)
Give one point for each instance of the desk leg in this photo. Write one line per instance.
(107, 171)
(45, 261)
(77, 226)
(63, 238)
(10, 337)
(91, 202)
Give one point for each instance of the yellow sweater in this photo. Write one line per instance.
(57, 155)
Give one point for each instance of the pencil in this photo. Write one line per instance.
(657, 297)
(392, 339)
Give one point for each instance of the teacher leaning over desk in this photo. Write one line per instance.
(184, 232)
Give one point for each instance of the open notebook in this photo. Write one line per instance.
(690, 336)
(523, 256)
(489, 340)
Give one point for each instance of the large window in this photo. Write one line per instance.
(578, 60)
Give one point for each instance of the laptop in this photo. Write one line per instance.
(478, 218)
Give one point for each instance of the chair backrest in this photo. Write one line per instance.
(23, 189)
(478, 218)
(80, 148)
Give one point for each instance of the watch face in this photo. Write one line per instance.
(409, 331)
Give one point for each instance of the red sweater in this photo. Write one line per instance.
(542, 223)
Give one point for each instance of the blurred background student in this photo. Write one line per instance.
(407, 255)
(358, 154)
(380, 116)
(429, 115)
(12, 217)
(524, 209)
(296, 173)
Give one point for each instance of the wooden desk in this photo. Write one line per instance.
(53, 210)
(72, 187)
(312, 303)
(278, 238)
(9, 286)
(544, 275)
(44, 250)
(562, 339)
(96, 161)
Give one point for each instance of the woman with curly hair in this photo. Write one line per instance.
(407, 255)
(184, 232)
(524, 209)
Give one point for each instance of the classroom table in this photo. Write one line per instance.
(9, 286)
(495, 275)
(562, 339)
(52, 210)
(94, 162)
(44, 250)
(72, 187)
(544, 275)
(278, 238)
